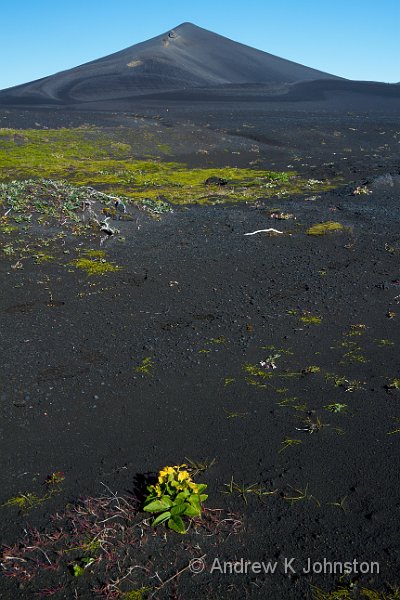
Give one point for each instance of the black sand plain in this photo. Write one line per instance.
(301, 463)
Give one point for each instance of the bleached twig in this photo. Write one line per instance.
(269, 230)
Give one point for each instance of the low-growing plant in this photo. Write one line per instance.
(95, 266)
(353, 591)
(243, 490)
(256, 371)
(196, 466)
(219, 340)
(288, 443)
(324, 228)
(384, 342)
(136, 594)
(24, 502)
(356, 330)
(300, 495)
(312, 426)
(309, 319)
(354, 353)
(56, 478)
(269, 362)
(311, 369)
(175, 496)
(336, 407)
(341, 503)
(78, 568)
(351, 385)
(156, 206)
(232, 414)
(394, 384)
(146, 366)
(397, 430)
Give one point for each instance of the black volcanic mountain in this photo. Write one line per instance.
(186, 57)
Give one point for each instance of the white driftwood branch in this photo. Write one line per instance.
(269, 230)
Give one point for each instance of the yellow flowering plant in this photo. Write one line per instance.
(175, 496)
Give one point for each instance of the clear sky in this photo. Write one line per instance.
(357, 39)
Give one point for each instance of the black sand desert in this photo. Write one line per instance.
(200, 264)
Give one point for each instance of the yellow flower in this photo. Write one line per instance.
(165, 472)
(183, 475)
(193, 486)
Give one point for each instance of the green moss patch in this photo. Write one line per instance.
(92, 157)
(309, 319)
(324, 228)
(93, 264)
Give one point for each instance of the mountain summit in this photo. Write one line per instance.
(185, 57)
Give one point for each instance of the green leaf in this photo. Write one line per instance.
(181, 497)
(194, 500)
(201, 487)
(176, 524)
(178, 509)
(78, 571)
(158, 505)
(203, 497)
(161, 518)
(192, 511)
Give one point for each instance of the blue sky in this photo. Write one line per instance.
(357, 39)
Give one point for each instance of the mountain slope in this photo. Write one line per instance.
(186, 57)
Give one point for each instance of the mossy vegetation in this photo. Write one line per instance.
(394, 384)
(354, 353)
(42, 257)
(92, 157)
(24, 502)
(29, 500)
(256, 371)
(146, 366)
(324, 228)
(353, 591)
(309, 319)
(94, 263)
(140, 594)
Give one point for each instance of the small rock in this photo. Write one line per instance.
(215, 181)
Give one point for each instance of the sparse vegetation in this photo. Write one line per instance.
(243, 490)
(94, 266)
(88, 156)
(311, 369)
(342, 504)
(188, 295)
(354, 591)
(309, 319)
(336, 407)
(146, 366)
(298, 495)
(29, 500)
(324, 228)
(394, 384)
(288, 443)
(257, 371)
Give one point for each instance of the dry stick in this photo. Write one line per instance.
(164, 583)
(115, 582)
(41, 550)
(270, 229)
